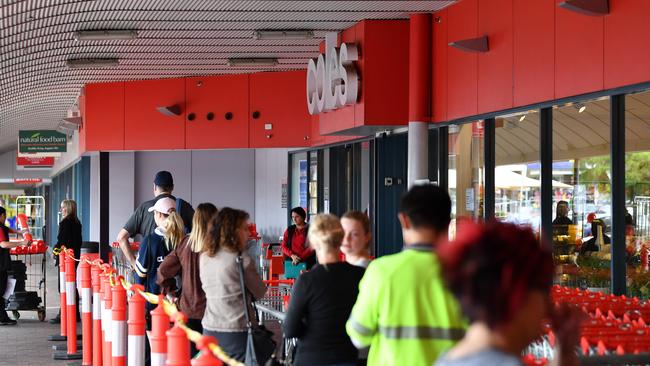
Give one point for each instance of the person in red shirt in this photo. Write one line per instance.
(294, 243)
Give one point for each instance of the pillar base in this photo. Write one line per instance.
(65, 356)
(64, 347)
(60, 338)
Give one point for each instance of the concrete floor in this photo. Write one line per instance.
(26, 343)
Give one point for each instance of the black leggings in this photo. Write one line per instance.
(3, 287)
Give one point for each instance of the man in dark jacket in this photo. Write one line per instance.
(142, 222)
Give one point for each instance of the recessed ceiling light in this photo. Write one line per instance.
(251, 62)
(580, 107)
(283, 34)
(105, 35)
(91, 63)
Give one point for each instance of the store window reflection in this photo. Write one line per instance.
(466, 172)
(517, 170)
(582, 194)
(637, 192)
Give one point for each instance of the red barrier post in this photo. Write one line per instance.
(98, 337)
(86, 313)
(137, 327)
(71, 309)
(119, 324)
(63, 325)
(158, 338)
(205, 357)
(107, 317)
(178, 346)
(64, 308)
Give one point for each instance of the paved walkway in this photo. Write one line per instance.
(26, 343)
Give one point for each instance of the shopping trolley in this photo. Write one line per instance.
(28, 272)
(271, 310)
(120, 262)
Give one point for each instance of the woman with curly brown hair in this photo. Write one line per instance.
(224, 316)
(501, 276)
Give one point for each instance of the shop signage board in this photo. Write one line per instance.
(332, 79)
(41, 161)
(42, 141)
(28, 180)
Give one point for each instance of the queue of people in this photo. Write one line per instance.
(478, 300)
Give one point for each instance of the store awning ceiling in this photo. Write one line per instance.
(575, 135)
(507, 179)
(174, 38)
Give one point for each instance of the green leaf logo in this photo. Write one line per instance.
(36, 135)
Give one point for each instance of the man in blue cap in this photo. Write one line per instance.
(142, 221)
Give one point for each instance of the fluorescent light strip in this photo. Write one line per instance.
(251, 62)
(92, 63)
(283, 34)
(105, 35)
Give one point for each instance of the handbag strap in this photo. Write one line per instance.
(240, 265)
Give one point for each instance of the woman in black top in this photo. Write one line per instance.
(69, 236)
(322, 299)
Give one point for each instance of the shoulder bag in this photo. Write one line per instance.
(260, 345)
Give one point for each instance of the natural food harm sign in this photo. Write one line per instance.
(42, 141)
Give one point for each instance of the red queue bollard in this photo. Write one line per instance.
(64, 310)
(158, 338)
(118, 331)
(63, 325)
(71, 302)
(137, 327)
(205, 357)
(107, 318)
(22, 220)
(86, 313)
(70, 309)
(178, 346)
(97, 315)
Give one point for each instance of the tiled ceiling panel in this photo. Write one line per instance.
(175, 38)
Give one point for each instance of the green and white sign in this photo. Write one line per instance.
(41, 141)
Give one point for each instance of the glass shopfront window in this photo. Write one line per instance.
(582, 193)
(466, 177)
(299, 180)
(517, 196)
(637, 192)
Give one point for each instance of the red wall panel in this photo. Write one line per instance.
(385, 45)
(219, 95)
(145, 127)
(495, 67)
(578, 53)
(534, 51)
(439, 59)
(627, 50)
(103, 117)
(279, 97)
(462, 85)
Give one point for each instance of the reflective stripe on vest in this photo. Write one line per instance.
(422, 332)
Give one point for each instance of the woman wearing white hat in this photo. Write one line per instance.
(169, 232)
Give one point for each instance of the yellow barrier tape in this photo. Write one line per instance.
(170, 309)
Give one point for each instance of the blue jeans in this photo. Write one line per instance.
(233, 343)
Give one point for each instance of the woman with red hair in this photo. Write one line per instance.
(501, 276)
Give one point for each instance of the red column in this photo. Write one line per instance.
(119, 325)
(107, 318)
(71, 302)
(158, 338)
(178, 346)
(64, 318)
(205, 357)
(420, 44)
(97, 317)
(86, 313)
(137, 327)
